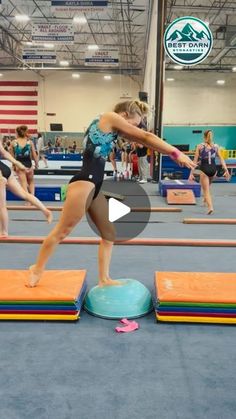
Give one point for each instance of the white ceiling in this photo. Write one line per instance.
(124, 24)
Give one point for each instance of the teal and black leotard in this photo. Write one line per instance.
(23, 154)
(97, 146)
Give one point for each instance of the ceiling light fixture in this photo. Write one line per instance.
(76, 75)
(170, 79)
(22, 18)
(107, 77)
(80, 19)
(93, 47)
(48, 45)
(220, 82)
(178, 67)
(64, 63)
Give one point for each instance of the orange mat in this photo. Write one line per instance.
(54, 286)
(183, 319)
(210, 287)
(40, 317)
(180, 197)
(209, 221)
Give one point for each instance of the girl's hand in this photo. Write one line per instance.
(227, 175)
(21, 167)
(184, 160)
(191, 177)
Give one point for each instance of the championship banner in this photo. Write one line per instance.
(59, 33)
(102, 58)
(37, 55)
(60, 7)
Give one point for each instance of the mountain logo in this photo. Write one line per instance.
(188, 40)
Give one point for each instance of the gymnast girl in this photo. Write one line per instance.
(205, 159)
(84, 190)
(8, 180)
(24, 151)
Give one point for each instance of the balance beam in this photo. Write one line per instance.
(155, 209)
(31, 208)
(113, 195)
(59, 208)
(124, 242)
(209, 221)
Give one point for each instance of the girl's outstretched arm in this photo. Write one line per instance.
(147, 139)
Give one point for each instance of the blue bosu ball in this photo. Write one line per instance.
(129, 300)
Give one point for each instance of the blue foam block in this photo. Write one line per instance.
(44, 193)
(64, 157)
(129, 300)
(164, 185)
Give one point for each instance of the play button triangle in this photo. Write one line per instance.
(117, 210)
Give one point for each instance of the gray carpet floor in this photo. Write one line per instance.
(85, 370)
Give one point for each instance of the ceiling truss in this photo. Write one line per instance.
(123, 25)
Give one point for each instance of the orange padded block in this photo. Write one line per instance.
(180, 197)
(196, 287)
(190, 319)
(54, 286)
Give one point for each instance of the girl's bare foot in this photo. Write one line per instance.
(35, 276)
(109, 282)
(210, 211)
(3, 235)
(48, 215)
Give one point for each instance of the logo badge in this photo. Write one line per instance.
(188, 41)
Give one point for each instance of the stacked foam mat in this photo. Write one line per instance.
(195, 297)
(58, 296)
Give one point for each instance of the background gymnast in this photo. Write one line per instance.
(8, 180)
(205, 160)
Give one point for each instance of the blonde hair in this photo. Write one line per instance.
(21, 131)
(132, 107)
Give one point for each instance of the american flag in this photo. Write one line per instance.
(18, 106)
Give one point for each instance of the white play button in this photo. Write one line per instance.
(117, 210)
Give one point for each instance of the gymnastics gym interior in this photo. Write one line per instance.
(160, 345)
